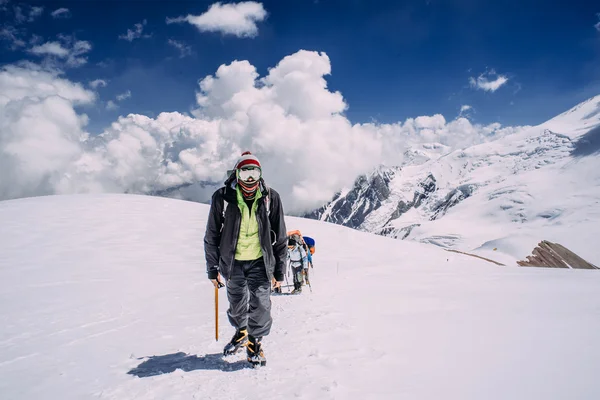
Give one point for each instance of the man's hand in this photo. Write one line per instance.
(275, 284)
(217, 282)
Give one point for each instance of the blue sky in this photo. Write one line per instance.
(390, 59)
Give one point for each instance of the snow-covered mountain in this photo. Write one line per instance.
(542, 182)
(106, 297)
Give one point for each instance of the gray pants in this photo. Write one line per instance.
(249, 294)
(298, 277)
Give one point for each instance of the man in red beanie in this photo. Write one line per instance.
(246, 243)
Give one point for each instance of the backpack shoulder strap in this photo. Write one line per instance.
(268, 202)
(225, 204)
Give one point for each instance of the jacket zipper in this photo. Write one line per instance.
(267, 261)
(236, 231)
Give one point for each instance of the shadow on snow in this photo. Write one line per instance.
(158, 365)
(587, 144)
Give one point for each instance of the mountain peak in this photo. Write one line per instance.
(518, 183)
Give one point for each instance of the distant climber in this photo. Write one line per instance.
(298, 261)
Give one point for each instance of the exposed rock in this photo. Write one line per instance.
(453, 198)
(370, 192)
(397, 233)
(425, 188)
(367, 195)
(553, 255)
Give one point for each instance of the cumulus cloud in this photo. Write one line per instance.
(184, 50)
(97, 83)
(136, 33)
(61, 13)
(230, 19)
(487, 82)
(69, 49)
(19, 83)
(288, 118)
(597, 26)
(40, 131)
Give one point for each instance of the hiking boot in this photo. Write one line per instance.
(238, 340)
(254, 351)
(297, 288)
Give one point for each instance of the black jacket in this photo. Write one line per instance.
(222, 234)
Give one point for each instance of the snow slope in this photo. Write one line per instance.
(106, 297)
(539, 183)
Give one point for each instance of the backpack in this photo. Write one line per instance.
(307, 242)
(310, 242)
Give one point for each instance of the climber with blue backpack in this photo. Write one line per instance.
(298, 260)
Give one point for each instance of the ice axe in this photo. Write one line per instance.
(216, 314)
(219, 285)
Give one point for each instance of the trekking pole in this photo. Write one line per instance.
(287, 283)
(217, 313)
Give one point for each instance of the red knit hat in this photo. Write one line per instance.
(247, 159)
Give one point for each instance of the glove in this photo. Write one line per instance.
(217, 282)
(275, 283)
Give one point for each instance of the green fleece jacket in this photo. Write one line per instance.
(248, 244)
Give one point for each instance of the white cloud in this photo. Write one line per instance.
(14, 36)
(79, 48)
(19, 16)
(61, 13)
(483, 81)
(25, 13)
(288, 118)
(35, 39)
(35, 12)
(50, 48)
(232, 19)
(123, 96)
(465, 110)
(69, 49)
(137, 33)
(97, 83)
(184, 50)
(29, 81)
(15, 16)
(40, 132)
(597, 26)
(111, 105)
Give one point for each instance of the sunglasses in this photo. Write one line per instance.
(247, 173)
